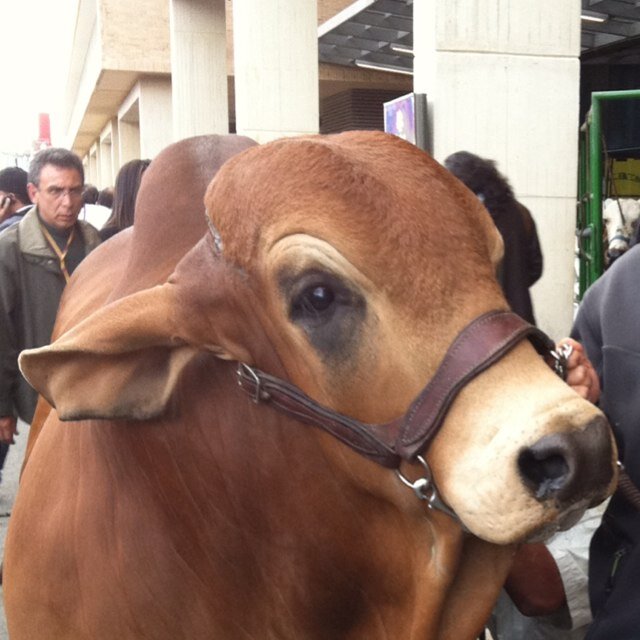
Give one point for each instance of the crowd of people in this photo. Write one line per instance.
(577, 585)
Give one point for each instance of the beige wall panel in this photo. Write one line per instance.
(553, 294)
(500, 107)
(335, 78)
(155, 116)
(509, 26)
(486, 94)
(128, 141)
(502, 80)
(135, 35)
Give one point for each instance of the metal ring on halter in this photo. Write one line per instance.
(425, 489)
(422, 487)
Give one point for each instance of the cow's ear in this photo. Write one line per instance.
(123, 361)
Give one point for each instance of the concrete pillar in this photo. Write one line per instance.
(94, 165)
(115, 148)
(198, 67)
(502, 80)
(128, 141)
(156, 123)
(129, 127)
(105, 179)
(276, 67)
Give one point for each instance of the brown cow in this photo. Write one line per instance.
(178, 505)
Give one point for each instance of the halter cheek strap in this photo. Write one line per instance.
(479, 345)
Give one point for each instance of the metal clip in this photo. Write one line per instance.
(560, 357)
(425, 489)
(245, 372)
(422, 487)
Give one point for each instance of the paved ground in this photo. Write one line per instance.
(8, 489)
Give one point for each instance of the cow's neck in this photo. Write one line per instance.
(337, 536)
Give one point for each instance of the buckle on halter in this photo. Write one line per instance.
(247, 374)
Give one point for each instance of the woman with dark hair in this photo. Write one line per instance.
(124, 197)
(522, 263)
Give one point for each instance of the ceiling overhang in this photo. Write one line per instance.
(379, 33)
(370, 34)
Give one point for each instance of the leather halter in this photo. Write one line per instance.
(479, 345)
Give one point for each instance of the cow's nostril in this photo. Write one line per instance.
(544, 471)
(570, 466)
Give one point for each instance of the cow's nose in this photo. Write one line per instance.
(569, 466)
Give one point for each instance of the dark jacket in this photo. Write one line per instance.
(31, 284)
(16, 217)
(607, 325)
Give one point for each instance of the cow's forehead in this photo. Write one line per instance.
(381, 202)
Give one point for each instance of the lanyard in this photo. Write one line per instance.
(61, 254)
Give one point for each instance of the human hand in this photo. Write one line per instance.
(581, 376)
(8, 429)
(5, 206)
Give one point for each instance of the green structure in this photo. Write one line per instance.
(591, 188)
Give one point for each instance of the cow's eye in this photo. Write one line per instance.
(328, 308)
(313, 302)
(319, 298)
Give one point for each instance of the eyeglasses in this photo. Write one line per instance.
(58, 192)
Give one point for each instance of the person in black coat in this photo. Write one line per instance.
(522, 263)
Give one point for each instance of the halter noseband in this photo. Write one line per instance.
(479, 345)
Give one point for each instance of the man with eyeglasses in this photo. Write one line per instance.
(37, 257)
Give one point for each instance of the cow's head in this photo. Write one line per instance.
(328, 263)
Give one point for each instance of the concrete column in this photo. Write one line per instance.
(94, 165)
(199, 67)
(129, 127)
(156, 122)
(502, 80)
(276, 67)
(115, 148)
(128, 141)
(105, 179)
